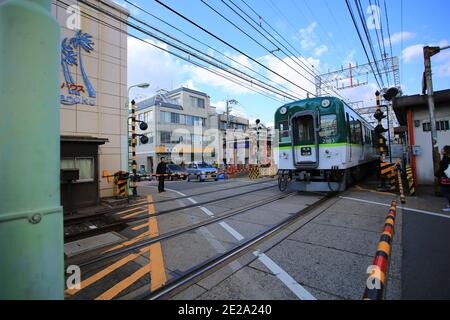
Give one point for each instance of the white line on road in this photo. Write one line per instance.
(282, 275)
(290, 282)
(403, 208)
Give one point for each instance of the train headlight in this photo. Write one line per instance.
(285, 155)
(283, 110)
(327, 153)
(326, 103)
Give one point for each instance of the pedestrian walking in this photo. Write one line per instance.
(161, 171)
(443, 175)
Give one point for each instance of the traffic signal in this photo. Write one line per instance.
(143, 139)
(143, 126)
(379, 115)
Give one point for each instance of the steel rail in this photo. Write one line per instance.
(202, 270)
(183, 230)
(138, 218)
(69, 220)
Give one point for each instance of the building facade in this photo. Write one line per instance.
(93, 97)
(412, 112)
(178, 124)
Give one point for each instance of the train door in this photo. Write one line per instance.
(349, 137)
(305, 144)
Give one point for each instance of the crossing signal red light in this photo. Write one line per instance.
(144, 139)
(379, 115)
(143, 126)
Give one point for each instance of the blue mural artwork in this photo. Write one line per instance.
(71, 55)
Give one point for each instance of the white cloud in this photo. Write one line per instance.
(133, 10)
(291, 71)
(320, 50)
(412, 52)
(308, 37)
(149, 64)
(397, 37)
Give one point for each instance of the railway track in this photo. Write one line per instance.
(120, 224)
(111, 258)
(72, 220)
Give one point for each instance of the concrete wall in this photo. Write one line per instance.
(106, 67)
(423, 139)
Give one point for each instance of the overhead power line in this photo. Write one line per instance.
(227, 44)
(350, 10)
(207, 45)
(236, 80)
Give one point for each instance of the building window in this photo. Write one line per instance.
(197, 102)
(165, 137)
(164, 117)
(174, 118)
(440, 126)
(85, 165)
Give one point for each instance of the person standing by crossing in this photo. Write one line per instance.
(161, 171)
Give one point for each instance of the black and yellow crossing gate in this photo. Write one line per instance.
(121, 184)
(410, 178)
(254, 172)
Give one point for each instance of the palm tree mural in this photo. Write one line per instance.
(82, 41)
(68, 58)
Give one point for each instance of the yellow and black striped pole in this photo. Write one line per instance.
(410, 178)
(376, 281)
(400, 184)
(133, 147)
(381, 149)
(381, 146)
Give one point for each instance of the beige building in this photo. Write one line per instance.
(178, 121)
(93, 97)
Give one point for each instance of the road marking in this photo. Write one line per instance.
(139, 227)
(206, 210)
(129, 210)
(125, 283)
(103, 273)
(129, 242)
(403, 208)
(232, 231)
(290, 282)
(157, 270)
(133, 214)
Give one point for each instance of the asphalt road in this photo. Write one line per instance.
(426, 256)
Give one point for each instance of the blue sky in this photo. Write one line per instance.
(321, 30)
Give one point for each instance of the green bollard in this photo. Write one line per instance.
(31, 219)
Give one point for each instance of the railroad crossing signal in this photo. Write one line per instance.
(144, 140)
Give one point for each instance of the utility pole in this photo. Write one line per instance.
(428, 52)
(31, 216)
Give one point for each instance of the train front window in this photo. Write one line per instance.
(328, 126)
(284, 132)
(304, 127)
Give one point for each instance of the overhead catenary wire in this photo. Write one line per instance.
(361, 39)
(234, 80)
(291, 55)
(226, 43)
(206, 45)
(261, 45)
(369, 40)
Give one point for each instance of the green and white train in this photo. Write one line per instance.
(324, 145)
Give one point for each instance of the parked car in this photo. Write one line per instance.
(201, 171)
(176, 172)
(142, 175)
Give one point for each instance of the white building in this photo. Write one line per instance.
(178, 123)
(93, 96)
(412, 111)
